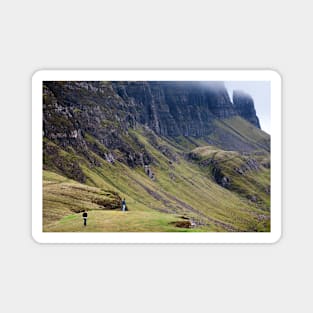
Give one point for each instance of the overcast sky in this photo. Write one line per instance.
(260, 91)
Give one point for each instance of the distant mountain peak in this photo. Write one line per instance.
(244, 105)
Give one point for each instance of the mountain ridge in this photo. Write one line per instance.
(95, 133)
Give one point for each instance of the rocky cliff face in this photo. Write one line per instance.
(244, 106)
(96, 118)
(169, 108)
(177, 108)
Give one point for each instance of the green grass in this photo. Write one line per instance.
(118, 221)
(252, 182)
(64, 200)
(237, 134)
(181, 189)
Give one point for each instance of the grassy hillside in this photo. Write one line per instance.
(65, 199)
(248, 175)
(181, 195)
(237, 134)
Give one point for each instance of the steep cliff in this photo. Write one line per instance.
(244, 106)
(97, 116)
(177, 108)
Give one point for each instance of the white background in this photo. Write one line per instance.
(158, 34)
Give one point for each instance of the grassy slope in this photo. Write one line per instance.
(181, 189)
(250, 181)
(237, 134)
(65, 199)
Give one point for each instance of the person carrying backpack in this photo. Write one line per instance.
(85, 216)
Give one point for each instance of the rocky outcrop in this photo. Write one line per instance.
(242, 173)
(244, 106)
(249, 165)
(94, 118)
(102, 109)
(90, 116)
(177, 108)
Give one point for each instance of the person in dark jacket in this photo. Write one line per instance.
(85, 216)
(124, 208)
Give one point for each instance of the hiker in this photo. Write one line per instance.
(85, 216)
(124, 208)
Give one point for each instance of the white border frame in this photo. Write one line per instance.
(146, 75)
